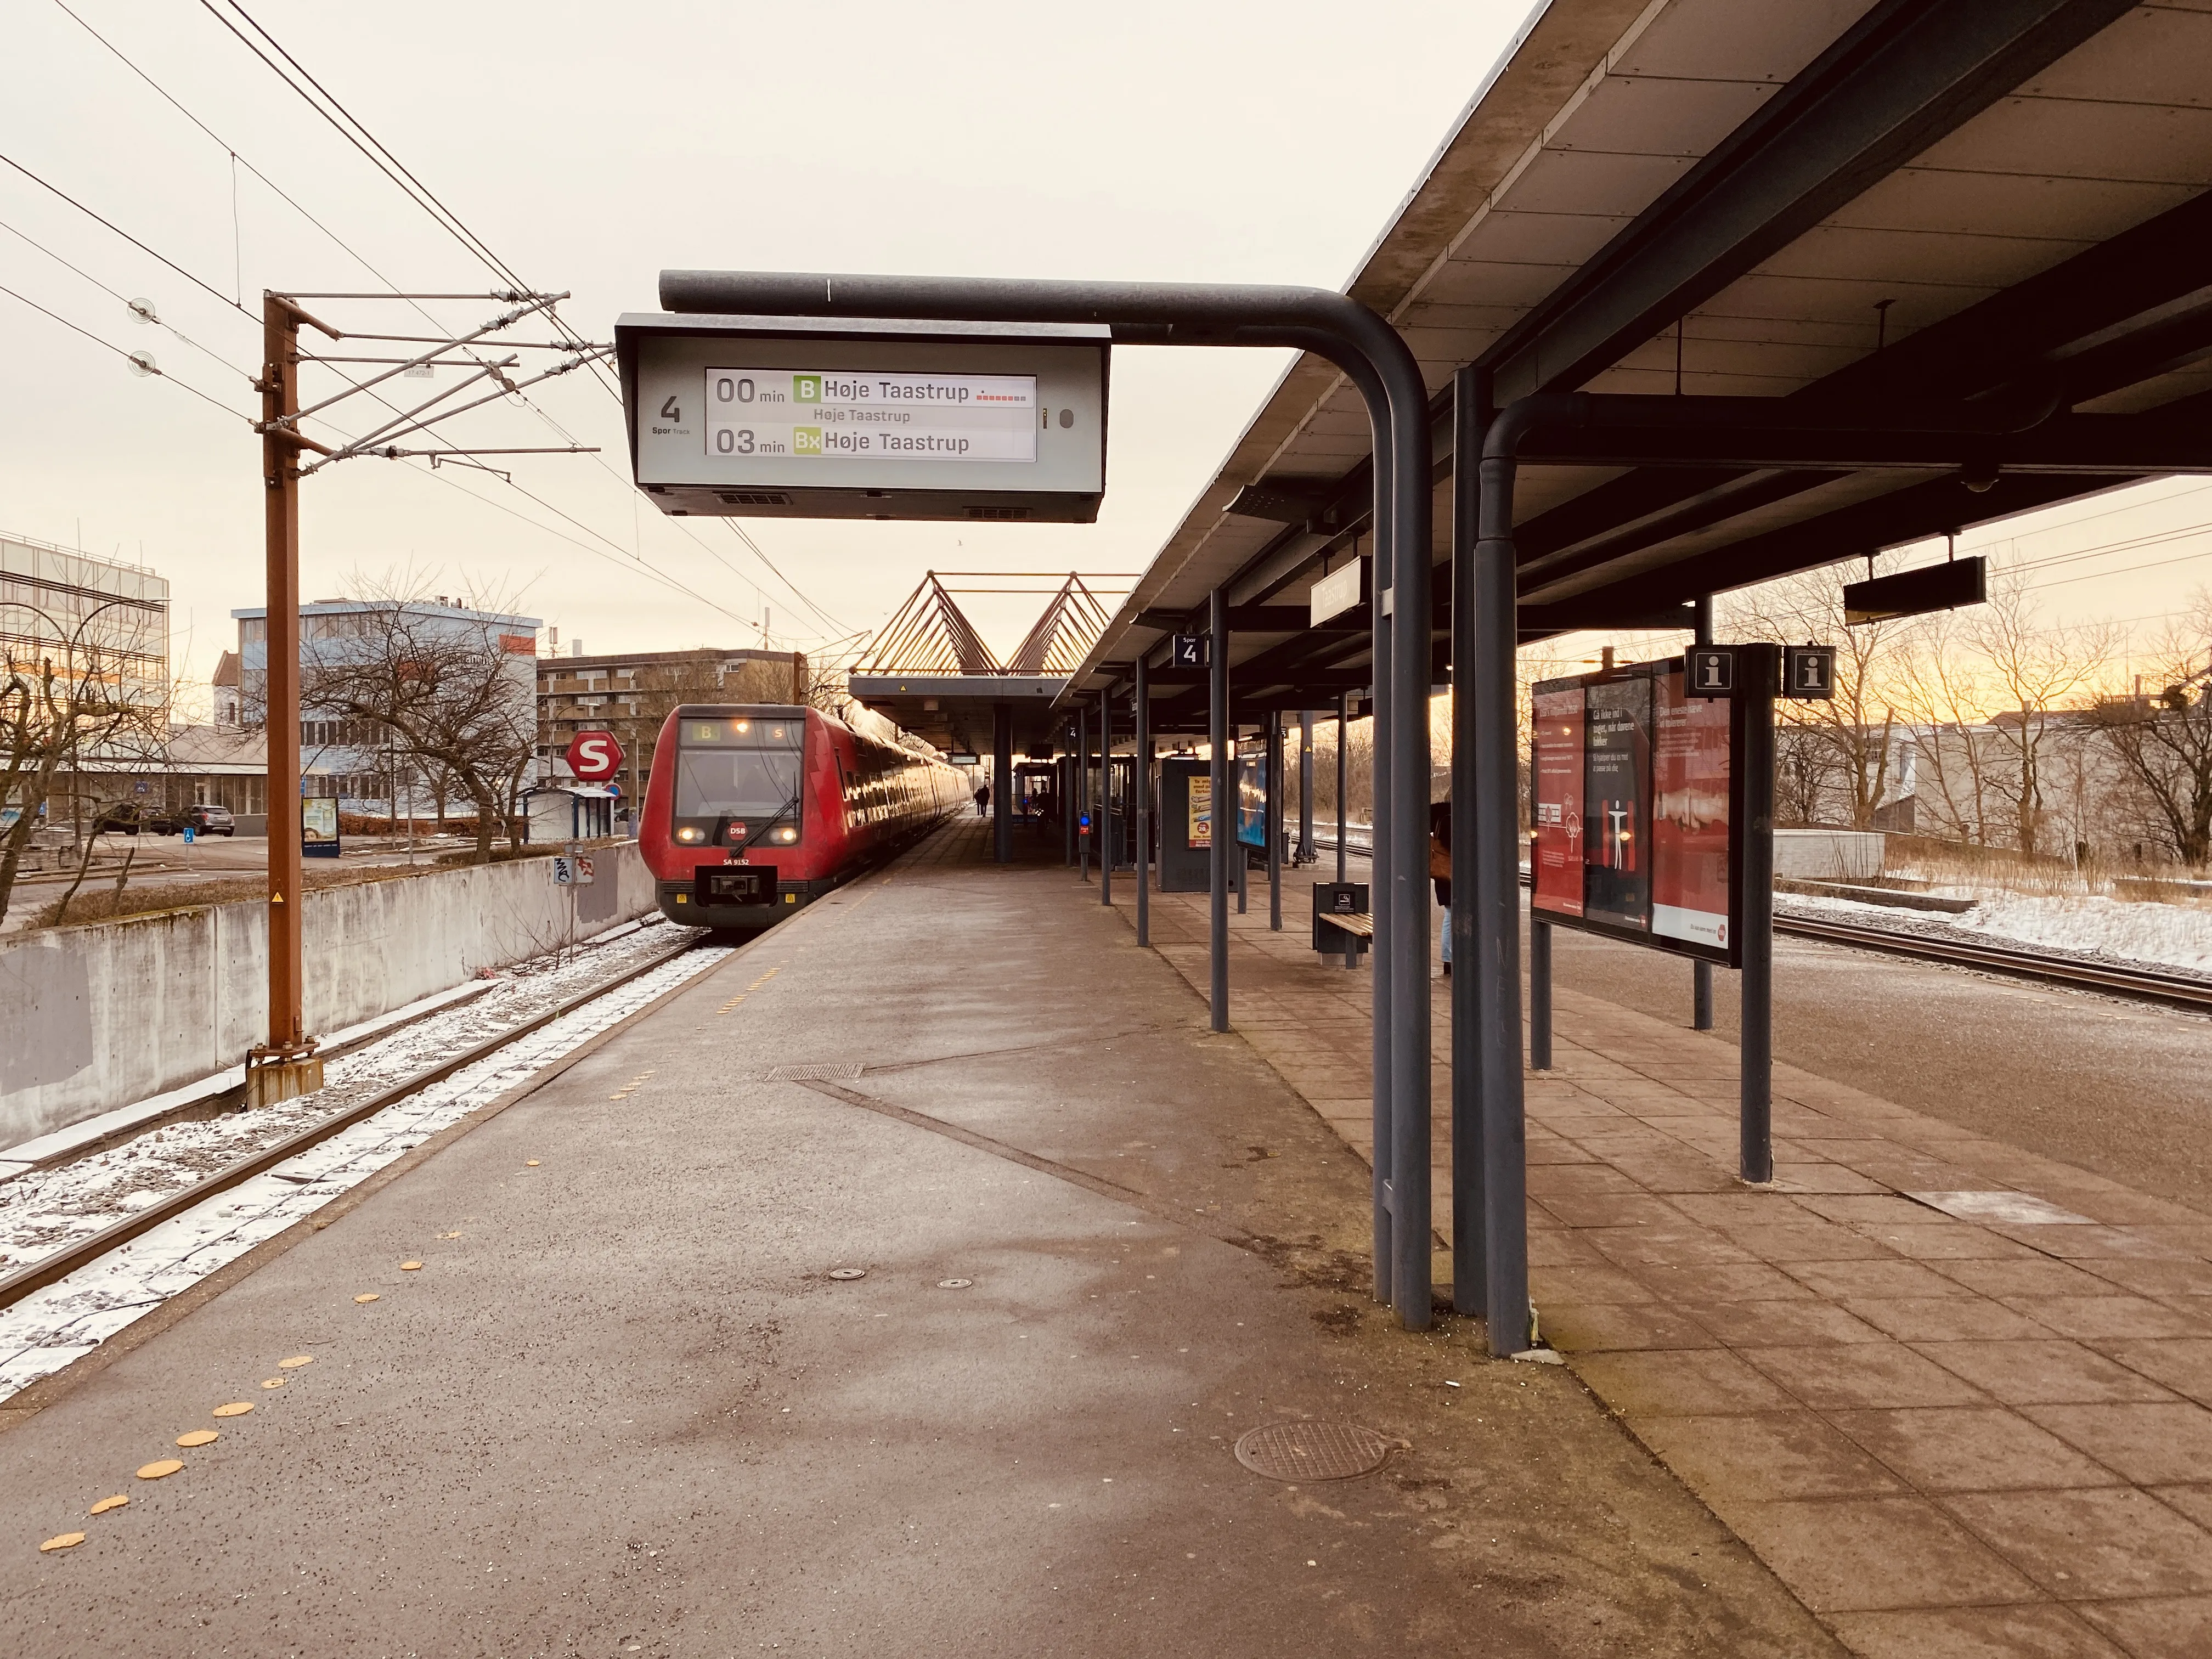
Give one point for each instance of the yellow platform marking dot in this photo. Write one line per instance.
(272, 1381)
(166, 1466)
(236, 1408)
(295, 1362)
(366, 1296)
(531, 1162)
(449, 1235)
(68, 1540)
(197, 1438)
(411, 1266)
(106, 1504)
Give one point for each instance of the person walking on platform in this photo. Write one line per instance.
(1440, 869)
(983, 800)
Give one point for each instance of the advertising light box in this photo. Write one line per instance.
(1636, 808)
(814, 417)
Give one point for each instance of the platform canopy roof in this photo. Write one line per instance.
(1862, 207)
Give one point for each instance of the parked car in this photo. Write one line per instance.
(209, 820)
(127, 818)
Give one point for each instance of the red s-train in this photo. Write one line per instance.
(752, 812)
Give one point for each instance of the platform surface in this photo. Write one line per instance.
(621, 1409)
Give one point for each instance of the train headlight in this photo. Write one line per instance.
(787, 835)
(687, 835)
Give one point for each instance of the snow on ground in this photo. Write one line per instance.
(2145, 933)
(44, 1211)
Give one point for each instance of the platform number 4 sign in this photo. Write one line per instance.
(1188, 651)
(1710, 671)
(1809, 673)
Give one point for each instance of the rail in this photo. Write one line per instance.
(49, 1270)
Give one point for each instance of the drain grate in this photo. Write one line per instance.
(1321, 1449)
(814, 1074)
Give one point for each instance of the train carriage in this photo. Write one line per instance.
(754, 812)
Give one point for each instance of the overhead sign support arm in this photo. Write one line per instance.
(1371, 352)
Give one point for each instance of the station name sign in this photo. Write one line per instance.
(812, 417)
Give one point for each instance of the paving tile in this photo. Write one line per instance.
(1809, 1240)
(2102, 1542)
(2151, 1445)
(2190, 1277)
(1971, 1448)
(1688, 1381)
(2112, 1314)
(1574, 1286)
(1882, 1279)
(1558, 1247)
(2037, 1278)
(1551, 1178)
(2093, 1246)
(1740, 1281)
(1945, 1318)
(1867, 1374)
(2157, 1627)
(2184, 1364)
(1827, 1178)
(1950, 1241)
(1677, 1246)
(1761, 1459)
(1857, 1554)
(1626, 1326)
(2039, 1630)
(2194, 1502)
(1888, 1210)
(1781, 1324)
(1622, 1209)
(1741, 1208)
(2048, 1372)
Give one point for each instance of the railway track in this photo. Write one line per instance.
(2136, 984)
(51, 1269)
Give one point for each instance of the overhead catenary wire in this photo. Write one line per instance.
(118, 230)
(141, 365)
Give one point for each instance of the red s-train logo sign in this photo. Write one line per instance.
(594, 756)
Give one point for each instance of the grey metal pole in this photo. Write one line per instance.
(1067, 808)
(1144, 724)
(1083, 836)
(1497, 896)
(1243, 862)
(1306, 854)
(1106, 796)
(1540, 995)
(1701, 973)
(1471, 415)
(1222, 822)
(1755, 681)
(1274, 821)
(1002, 783)
(1343, 772)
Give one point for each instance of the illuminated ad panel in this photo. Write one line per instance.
(1634, 833)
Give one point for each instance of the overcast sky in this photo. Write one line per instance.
(589, 145)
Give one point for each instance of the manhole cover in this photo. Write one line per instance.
(1317, 1450)
(848, 1273)
(954, 1283)
(814, 1074)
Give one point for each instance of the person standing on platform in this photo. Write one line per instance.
(1440, 869)
(983, 800)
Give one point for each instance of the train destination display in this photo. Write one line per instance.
(1635, 810)
(843, 416)
(792, 418)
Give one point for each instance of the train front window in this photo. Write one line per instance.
(739, 777)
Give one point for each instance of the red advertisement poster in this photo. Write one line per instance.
(1690, 816)
(1558, 805)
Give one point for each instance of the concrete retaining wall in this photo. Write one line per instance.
(96, 1017)
(1828, 854)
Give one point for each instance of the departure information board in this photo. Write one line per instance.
(834, 415)
(1635, 810)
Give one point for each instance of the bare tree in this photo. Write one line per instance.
(2041, 672)
(452, 697)
(1835, 756)
(71, 710)
(2163, 738)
